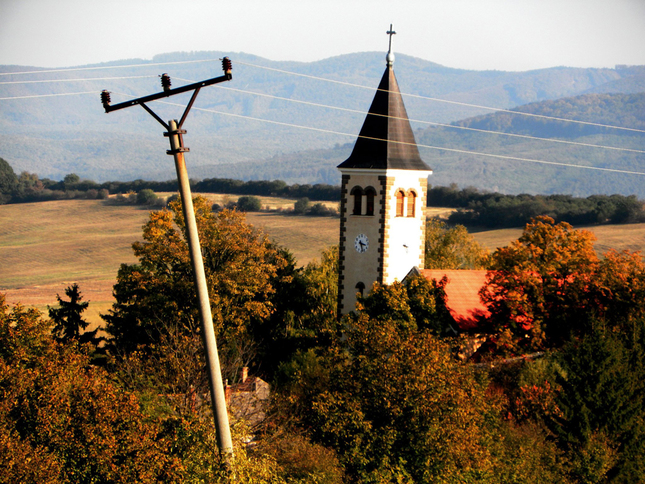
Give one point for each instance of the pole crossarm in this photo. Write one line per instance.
(168, 93)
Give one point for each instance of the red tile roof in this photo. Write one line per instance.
(462, 294)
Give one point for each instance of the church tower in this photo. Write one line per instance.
(383, 198)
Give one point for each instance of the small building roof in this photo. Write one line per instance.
(386, 140)
(462, 294)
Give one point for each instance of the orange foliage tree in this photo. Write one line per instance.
(539, 283)
(62, 420)
(550, 284)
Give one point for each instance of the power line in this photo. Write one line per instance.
(309, 76)
(478, 106)
(432, 123)
(363, 113)
(475, 153)
(49, 95)
(41, 81)
(78, 69)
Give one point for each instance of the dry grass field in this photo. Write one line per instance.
(45, 247)
(620, 237)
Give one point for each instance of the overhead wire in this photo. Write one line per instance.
(48, 95)
(454, 150)
(418, 96)
(86, 79)
(507, 157)
(432, 123)
(309, 76)
(78, 69)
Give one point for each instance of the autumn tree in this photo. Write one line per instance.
(452, 248)
(70, 416)
(63, 420)
(394, 405)
(311, 301)
(156, 296)
(384, 394)
(539, 286)
(619, 291)
(417, 304)
(305, 313)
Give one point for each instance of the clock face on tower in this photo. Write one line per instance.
(361, 244)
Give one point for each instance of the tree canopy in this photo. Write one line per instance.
(157, 295)
(550, 285)
(8, 181)
(452, 248)
(64, 421)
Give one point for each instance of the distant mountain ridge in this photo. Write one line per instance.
(493, 174)
(53, 136)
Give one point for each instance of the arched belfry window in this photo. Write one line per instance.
(412, 199)
(357, 193)
(370, 193)
(400, 203)
(360, 288)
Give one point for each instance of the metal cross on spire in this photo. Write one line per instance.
(390, 33)
(390, 55)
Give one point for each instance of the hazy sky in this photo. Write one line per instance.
(470, 34)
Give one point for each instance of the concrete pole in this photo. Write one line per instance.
(218, 398)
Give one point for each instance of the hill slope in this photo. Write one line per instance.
(53, 136)
(506, 176)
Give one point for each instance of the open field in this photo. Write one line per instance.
(620, 237)
(268, 203)
(45, 247)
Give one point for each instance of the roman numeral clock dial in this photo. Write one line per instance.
(361, 244)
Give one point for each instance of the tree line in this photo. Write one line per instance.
(496, 210)
(28, 187)
(475, 208)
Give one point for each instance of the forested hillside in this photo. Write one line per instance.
(249, 120)
(513, 176)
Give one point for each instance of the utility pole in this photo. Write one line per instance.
(175, 134)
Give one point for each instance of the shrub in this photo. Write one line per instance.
(146, 197)
(301, 206)
(249, 203)
(321, 210)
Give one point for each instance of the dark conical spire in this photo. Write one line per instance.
(386, 140)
